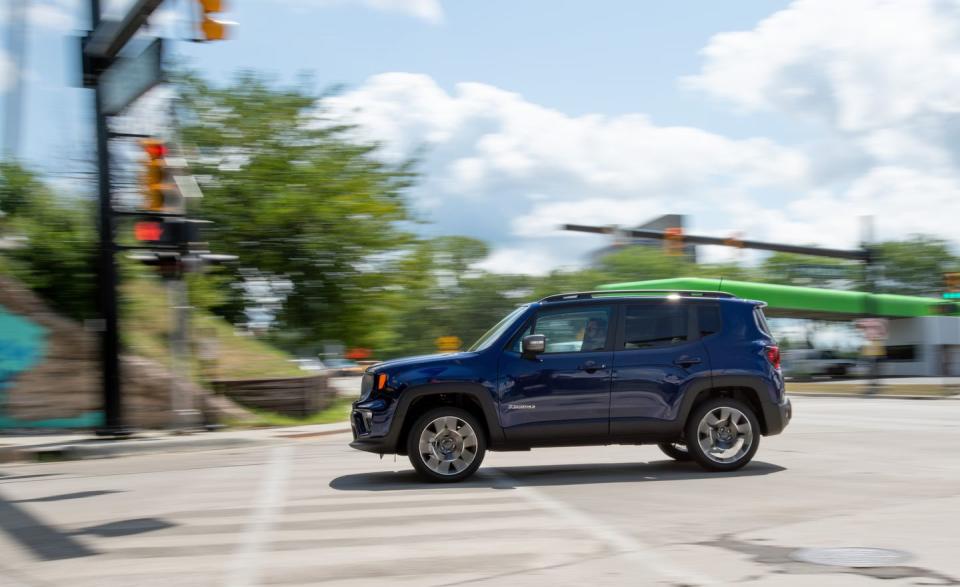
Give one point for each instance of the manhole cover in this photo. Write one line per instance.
(851, 557)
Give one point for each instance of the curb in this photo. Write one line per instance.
(98, 449)
(115, 448)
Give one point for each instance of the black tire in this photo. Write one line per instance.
(715, 407)
(428, 465)
(672, 450)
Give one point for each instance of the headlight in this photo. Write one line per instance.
(366, 386)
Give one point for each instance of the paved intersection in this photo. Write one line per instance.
(848, 472)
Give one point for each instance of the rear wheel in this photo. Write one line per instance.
(722, 434)
(675, 450)
(446, 444)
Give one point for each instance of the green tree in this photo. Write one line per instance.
(439, 292)
(294, 196)
(57, 259)
(915, 266)
(807, 270)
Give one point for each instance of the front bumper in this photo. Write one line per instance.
(370, 424)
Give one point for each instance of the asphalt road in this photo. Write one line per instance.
(847, 473)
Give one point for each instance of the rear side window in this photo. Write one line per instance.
(651, 325)
(708, 319)
(761, 321)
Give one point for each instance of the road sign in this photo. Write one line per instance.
(447, 344)
(130, 77)
(110, 36)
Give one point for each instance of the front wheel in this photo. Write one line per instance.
(722, 434)
(446, 445)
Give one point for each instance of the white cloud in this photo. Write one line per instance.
(881, 79)
(858, 64)
(510, 171)
(428, 10)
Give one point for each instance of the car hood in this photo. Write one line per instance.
(423, 360)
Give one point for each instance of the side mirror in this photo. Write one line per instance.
(533, 344)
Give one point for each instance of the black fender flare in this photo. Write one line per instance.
(752, 384)
(476, 391)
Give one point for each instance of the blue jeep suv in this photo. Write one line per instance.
(697, 373)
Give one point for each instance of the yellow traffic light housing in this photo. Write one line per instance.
(212, 28)
(155, 176)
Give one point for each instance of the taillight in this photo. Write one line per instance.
(773, 355)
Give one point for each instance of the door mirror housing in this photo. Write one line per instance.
(533, 344)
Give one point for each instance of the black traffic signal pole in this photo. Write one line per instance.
(100, 48)
(107, 270)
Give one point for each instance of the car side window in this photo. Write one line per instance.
(572, 330)
(653, 325)
(708, 319)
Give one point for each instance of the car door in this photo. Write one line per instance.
(563, 394)
(658, 355)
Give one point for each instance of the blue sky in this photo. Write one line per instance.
(783, 120)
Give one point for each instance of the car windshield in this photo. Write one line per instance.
(495, 332)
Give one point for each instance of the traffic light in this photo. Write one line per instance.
(157, 187)
(168, 232)
(212, 28)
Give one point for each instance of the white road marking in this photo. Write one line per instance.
(244, 566)
(615, 539)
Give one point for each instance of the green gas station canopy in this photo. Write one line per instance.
(804, 302)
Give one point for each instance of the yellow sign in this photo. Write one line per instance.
(446, 344)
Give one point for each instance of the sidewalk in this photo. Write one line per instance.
(890, 387)
(84, 445)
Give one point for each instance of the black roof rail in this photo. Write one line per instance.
(586, 295)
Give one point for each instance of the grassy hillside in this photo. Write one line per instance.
(147, 321)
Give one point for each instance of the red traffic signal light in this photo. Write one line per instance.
(155, 149)
(148, 231)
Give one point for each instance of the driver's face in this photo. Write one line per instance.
(593, 327)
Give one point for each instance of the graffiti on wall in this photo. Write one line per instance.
(23, 344)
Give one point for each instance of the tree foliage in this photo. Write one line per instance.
(292, 195)
(57, 259)
(915, 266)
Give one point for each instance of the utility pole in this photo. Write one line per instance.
(869, 300)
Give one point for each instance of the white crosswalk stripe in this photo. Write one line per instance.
(326, 517)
